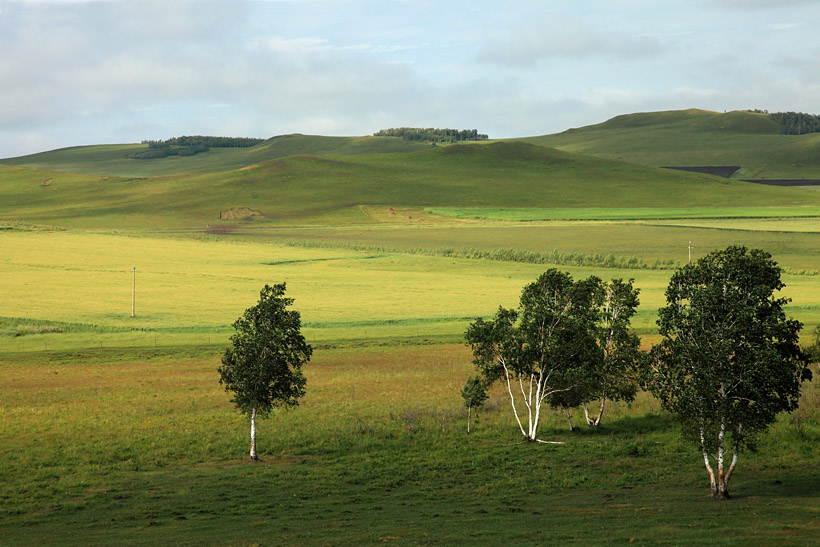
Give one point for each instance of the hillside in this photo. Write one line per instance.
(300, 189)
(698, 137)
(113, 160)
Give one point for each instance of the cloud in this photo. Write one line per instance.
(762, 3)
(536, 43)
(786, 26)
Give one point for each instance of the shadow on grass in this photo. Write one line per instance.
(629, 426)
(781, 485)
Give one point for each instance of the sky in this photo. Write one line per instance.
(117, 71)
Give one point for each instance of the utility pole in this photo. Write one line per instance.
(690, 252)
(134, 291)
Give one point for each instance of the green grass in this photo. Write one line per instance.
(639, 213)
(331, 190)
(112, 160)
(697, 137)
(115, 429)
(145, 448)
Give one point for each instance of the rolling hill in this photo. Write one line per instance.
(113, 160)
(299, 189)
(698, 138)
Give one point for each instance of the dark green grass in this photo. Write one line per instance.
(697, 137)
(144, 448)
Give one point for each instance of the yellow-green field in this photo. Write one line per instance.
(73, 290)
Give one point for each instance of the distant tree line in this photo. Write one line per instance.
(431, 134)
(189, 146)
(794, 123)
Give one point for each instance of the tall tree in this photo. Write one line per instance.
(263, 366)
(729, 360)
(613, 377)
(542, 348)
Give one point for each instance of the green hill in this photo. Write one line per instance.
(297, 189)
(698, 138)
(113, 160)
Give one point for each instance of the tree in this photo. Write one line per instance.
(613, 376)
(263, 366)
(474, 393)
(542, 348)
(729, 360)
(612, 371)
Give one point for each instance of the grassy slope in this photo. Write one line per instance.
(697, 137)
(112, 159)
(295, 188)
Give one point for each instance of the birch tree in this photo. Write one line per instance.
(729, 360)
(614, 375)
(541, 349)
(263, 366)
(613, 371)
(474, 394)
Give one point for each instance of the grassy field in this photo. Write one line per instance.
(116, 431)
(104, 160)
(144, 448)
(640, 213)
(698, 137)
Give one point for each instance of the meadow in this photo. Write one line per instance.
(115, 429)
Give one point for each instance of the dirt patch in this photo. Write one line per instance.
(47, 182)
(249, 167)
(239, 213)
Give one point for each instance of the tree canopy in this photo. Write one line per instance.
(543, 348)
(263, 366)
(431, 134)
(729, 360)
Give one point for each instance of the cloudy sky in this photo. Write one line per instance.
(93, 72)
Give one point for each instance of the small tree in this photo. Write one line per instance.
(474, 393)
(729, 360)
(540, 349)
(263, 366)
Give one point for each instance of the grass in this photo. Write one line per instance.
(642, 213)
(145, 448)
(115, 429)
(330, 190)
(697, 137)
(112, 160)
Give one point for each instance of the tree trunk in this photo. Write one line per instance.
(712, 482)
(569, 418)
(469, 413)
(254, 457)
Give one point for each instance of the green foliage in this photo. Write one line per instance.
(729, 360)
(190, 146)
(814, 350)
(547, 344)
(474, 392)
(797, 123)
(263, 366)
(432, 135)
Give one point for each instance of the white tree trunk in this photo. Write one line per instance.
(712, 481)
(254, 457)
(569, 418)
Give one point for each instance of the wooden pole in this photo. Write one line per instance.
(134, 291)
(690, 252)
